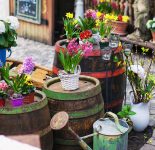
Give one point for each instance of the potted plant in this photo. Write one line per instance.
(19, 83)
(70, 24)
(70, 59)
(113, 16)
(3, 92)
(28, 90)
(151, 25)
(104, 32)
(143, 84)
(8, 36)
(125, 114)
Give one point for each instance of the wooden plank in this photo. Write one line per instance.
(33, 140)
(140, 43)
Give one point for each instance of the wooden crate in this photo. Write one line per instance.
(38, 76)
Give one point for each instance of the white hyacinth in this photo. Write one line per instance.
(139, 70)
(2, 27)
(13, 21)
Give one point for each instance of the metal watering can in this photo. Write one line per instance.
(109, 133)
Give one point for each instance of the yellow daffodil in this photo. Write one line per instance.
(69, 15)
(97, 22)
(120, 44)
(125, 18)
(101, 1)
(98, 14)
(111, 17)
(75, 21)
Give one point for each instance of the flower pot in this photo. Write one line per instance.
(2, 102)
(70, 81)
(141, 118)
(119, 27)
(153, 36)
(16, 102)
(29, 98)
(3, 55)
(96, 38)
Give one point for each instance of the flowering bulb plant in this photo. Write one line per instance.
(103, 29)
(141, 79)
(3, 89)
(72, 57)
(70, 26)
(20, 84)
(88, 22)
(8, 33)
(111, 11)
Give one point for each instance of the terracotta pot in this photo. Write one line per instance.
(29, 98)
(2, 102)
(153, 36)
(119, 27)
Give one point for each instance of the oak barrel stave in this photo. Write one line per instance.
(84, 107)
(28, 119)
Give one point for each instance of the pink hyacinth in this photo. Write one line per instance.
(87, 48)
(3, 85)
(73, 47)
(91, 14)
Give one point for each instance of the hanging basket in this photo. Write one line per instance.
(70, 82)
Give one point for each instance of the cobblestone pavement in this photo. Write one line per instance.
(41, 53)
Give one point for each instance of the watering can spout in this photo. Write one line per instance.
(82, 143)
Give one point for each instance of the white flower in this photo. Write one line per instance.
(139, 70)
(2, 27)
(13, 21)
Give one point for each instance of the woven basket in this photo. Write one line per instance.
(70, 82)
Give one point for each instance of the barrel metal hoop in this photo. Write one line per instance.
(25, 108)
(43, 131)
(84, 113)
(99, 75)
(72, 96)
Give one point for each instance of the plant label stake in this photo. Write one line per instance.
(109, 134)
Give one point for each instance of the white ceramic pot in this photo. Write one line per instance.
(141, 118)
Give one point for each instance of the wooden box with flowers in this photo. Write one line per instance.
(17, 87)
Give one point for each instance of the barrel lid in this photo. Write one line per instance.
(88, 87)
(107, 127)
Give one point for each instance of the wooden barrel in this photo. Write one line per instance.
(28, 119)
(110, 73)
(84, 105)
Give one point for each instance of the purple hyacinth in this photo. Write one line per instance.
(28, 66)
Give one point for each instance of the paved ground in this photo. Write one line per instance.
(41, 53)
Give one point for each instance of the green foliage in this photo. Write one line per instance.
(126, 112)
(70, 28)
(104, 7)
(8, 39)
(69, 62)
(86, 23)
(104, 29)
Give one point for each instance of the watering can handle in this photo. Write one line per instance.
(9, 50)
(114, 116)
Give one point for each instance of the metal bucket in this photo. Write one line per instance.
(110, 134)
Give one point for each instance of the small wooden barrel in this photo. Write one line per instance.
(32, 118)
(84, 105)
(110, 73)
